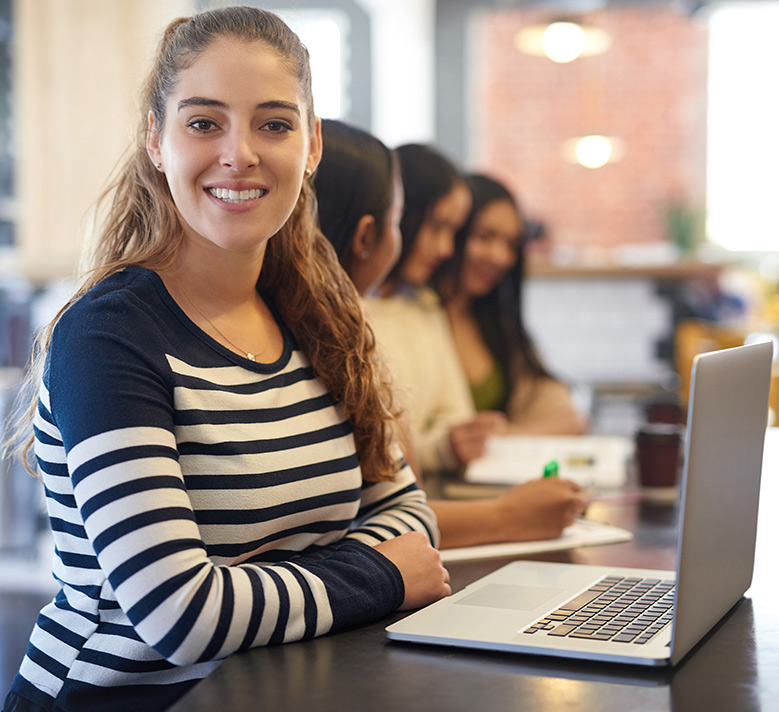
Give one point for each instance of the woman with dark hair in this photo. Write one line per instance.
(360, 199)
(355, 185)
(411, 327)
(220, 471)
(481, 288)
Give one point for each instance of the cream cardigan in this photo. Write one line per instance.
(415, 340)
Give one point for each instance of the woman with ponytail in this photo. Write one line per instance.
(213, 430)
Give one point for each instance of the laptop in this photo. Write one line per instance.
(587, 612)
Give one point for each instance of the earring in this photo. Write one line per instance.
(309, 172)
(158, 166)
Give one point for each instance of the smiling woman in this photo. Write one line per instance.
(220, 473)
(237, 123)
(481, 288)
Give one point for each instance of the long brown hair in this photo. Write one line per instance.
(498, 314)
(316, 299)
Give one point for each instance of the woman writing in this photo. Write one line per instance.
(481, 288)
(360, 201)
(220, 473)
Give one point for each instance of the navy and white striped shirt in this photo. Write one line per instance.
(201, 504)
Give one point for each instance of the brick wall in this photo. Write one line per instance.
(649, 89)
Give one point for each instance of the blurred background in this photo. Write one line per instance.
(639, 134)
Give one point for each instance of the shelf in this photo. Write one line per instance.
(682, 270)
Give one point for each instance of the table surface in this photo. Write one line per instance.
(735, 667)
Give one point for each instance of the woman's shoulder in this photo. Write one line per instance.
(127, 303)
(404, 301)
(131, 289)
(111, 334)
(129, 283)
(411, 323)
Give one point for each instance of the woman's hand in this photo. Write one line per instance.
(539, 509)
(424, 576)
(468, 439)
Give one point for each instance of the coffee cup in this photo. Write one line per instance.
(658, 455)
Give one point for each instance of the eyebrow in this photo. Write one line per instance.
(203, 101)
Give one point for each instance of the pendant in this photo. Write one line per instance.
(250, 356)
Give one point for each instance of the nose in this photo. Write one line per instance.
(239, 151)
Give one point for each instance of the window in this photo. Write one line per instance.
(337, 34)
(743, 140)
(325, 33)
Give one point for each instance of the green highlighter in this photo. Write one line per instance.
(551, 469)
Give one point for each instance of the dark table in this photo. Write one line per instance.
(734, 669)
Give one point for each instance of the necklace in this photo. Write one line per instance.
(249, 354)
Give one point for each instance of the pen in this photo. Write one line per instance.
(551, 469)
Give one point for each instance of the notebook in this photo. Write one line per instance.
(542, 608)
(583, 532)
(598, 462)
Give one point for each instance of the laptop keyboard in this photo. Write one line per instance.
(616, 608)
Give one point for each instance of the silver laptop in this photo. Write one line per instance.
(632, 615)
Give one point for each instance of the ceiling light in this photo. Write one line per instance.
(562, 41)
(593, 151)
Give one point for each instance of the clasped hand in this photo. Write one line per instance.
(424, 576)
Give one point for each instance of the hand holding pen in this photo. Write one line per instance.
(542, 508)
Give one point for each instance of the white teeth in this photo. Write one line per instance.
(235, 196)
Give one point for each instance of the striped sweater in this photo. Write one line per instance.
(201, 504)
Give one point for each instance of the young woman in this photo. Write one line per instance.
(360, 200)
(411, 326)
(481, 288)
(220, 473)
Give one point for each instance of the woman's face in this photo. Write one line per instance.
(435, 239)
(491, 248)
(386, 249)
(235, 145)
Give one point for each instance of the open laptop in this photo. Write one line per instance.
(577, 611)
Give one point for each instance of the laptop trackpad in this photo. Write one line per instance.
(517, 598)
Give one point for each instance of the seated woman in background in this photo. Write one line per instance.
(411, 326)
(360, 198)
(360, 202)
(481, 288)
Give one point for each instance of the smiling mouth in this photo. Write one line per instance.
(237, 196)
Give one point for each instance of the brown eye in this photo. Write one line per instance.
(279, 127)
(201, 125)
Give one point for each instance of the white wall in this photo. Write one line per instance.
(587, 330)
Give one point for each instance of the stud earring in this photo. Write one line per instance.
(158, 166)
(309, 172)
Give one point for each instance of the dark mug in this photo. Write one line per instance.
(658, 455)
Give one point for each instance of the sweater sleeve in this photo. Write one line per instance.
(454, 403)
(392, 508)
(107, 405)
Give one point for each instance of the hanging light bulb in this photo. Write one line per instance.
(562, 41)
(593, 151)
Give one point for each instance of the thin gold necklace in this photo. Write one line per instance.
(249, 354)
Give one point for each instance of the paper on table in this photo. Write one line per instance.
(597, 461)
(583, 532)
